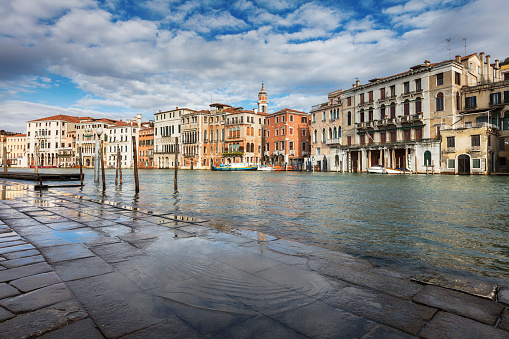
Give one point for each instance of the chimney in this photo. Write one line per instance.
(427, 62)
(458, 58)
(482, 62)
(176, 108)
(138, 118)
(488, 66)
(256, 110)
(159, 111)
(497, 64)
(357, 83)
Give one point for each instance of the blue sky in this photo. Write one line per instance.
(117, 58)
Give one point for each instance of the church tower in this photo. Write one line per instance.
(262, 100)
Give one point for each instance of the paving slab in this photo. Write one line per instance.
(323, 320)
(17, 248)
(13, 242)
(260, 327)
(244, 260)
(504, 321)
(23, 261)
(66, 252)
(85, 329)
(41, 321)
(117, 305)
(65, 226)
(4, 315)
(382, 331)
(447, 325)
(503, 295)
(37, 281)
(24, 271)
(37, 299)
(22, 254)
(463, 284)
(171, 327)
(7, 290)
(117, 252)
(81, 268)
(383, 308)
(463, 304)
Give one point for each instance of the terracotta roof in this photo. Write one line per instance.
(62, 117)
(17, 135)
(289, 111)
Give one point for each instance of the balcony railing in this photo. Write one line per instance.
(450, 149)
(292, 152)
(333, 141)
(465, 126)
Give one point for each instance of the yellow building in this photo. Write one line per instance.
(16, 150)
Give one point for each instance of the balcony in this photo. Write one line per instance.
(450, 149)
(292, 152)
(465, 126)
(233, 154)
(475, 149)
(266, 153)
(333, 141)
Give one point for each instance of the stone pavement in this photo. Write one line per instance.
(71, 267)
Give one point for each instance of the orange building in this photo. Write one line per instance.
(146, 148)
(287, 138)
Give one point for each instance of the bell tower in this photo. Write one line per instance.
(262, 100)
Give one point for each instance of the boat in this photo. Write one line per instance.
(235, 167)
(266, 168)
(379, 169)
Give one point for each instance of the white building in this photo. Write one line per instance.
(167, 127)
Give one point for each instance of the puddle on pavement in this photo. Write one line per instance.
(8, 192)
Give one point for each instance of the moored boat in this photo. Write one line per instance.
(235, 167)
(379, 169)
(266, 168)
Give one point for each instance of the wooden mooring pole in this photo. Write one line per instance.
(175, 185)
(102, 165)
(116, 167)
(81, 165)
(5, 159)
(135, 154)
(36, 164)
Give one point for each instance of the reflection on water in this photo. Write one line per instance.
(455, 222)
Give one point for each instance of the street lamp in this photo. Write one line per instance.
(97, 160)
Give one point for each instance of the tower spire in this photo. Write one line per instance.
(262, 100)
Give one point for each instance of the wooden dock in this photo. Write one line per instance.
(40, 176)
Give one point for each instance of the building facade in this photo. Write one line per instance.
(167, 127)
(287, 141)
(326, 132)
(146, 147)
(16, 150)
(396, 121)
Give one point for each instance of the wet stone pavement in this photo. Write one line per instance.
(71, 267)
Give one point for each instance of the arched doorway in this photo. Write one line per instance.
(427, 158)
(463, 164)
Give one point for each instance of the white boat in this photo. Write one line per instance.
(235, 167)
(379, 169)
(266, 168)
(376, 169)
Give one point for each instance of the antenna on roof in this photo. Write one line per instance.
(465, 40)
(449, 46)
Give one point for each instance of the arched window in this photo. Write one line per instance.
(382, 112)
(505, 121)
(427, 158)
(315, 136)
(204, 135)
(335, 132)
(458, 103)
(248, 130)
(323, 135)
(361, 115)
(349, 118)
(370, 114)
(230, 133)
(339, 131)
(406, 107)
(252, 131)
(440, 102)
(330, 133)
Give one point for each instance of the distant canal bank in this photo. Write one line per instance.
(449, 222)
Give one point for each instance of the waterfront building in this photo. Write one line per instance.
(86, 137)
(167, 127)
(146, 147)
(47, 138)
(326, 131)
(475, 141)
(119, 136)
(287, 140)
(396, 121)
(16, 150)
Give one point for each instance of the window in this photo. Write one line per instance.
(382, 112)
(314, 118)
(406, 107)
(440, 79)
(393, 110)
(303, 132)
(505, 121)
(277, 132)
(383, 137)
(370, 96)
(349, 101)
(393, 136)
(362, 139)
(495, 98)
(291, 118)
(506, 96)
(277, 120)
(406, 87)
(457, 78)
(370, 114)
(315, 136)
(393, 91)
(418, 106)
(282, 131)
(458, 101)
(324, 116)
(451, 142)
(382, 93)
(418, 86)
(290, 145)
(418, 134)
(406, 135)
(349, 118)
(283, 118)
(451, 163)
(291, 130)
(440, 102)
(475, 140)
(470, 102)
(362, 98)
(361, 115)
(349, 141)
(476, 163)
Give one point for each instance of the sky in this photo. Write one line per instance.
(118, 58)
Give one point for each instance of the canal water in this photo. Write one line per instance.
(453, 223)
